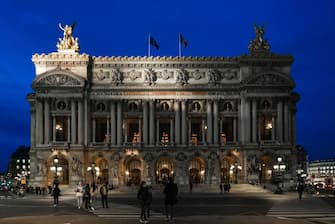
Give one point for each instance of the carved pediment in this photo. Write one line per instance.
(58, 78)
(270, 79)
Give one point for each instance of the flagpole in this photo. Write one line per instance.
(149, 50)
(179, 45)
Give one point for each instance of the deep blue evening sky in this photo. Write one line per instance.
(305, 29)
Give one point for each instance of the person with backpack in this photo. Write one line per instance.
(143, 198)
(56, 193)
(171, 192)
(104, 194)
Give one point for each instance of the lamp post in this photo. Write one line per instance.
(205, 134)
(94, 171)
(56, 168)
(280, 169)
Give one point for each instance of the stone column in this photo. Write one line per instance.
(254, 121)
(108, 137)
(215, 122)
(46, 121)
(289, 126)
(125, 125)
(32, 126)
(209, 123)
(145, 122)
(80, 123)
(183, 123)
(221, 130)
(140, 132)
(280, 121)
(235, 129)
(87, 118)
(113, 123)
(54, 128)
(171, 132)
(189, 138)
(203, 131)
(286, 123)
(68, 129)
(119, 123)
(177, 122)
(152, 122)
(39, 122)
(73, 122)
(247, 121)
(158, 140)
(94, 130)
(273, 137)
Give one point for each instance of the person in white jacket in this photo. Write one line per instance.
(79, 194)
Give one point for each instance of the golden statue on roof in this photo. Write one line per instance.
(68, 42)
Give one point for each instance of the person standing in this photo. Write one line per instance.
(87, 196)
(300, 189)
(221, 188)
(93, 193)
(56, 192)
(79, 194)
(104, 195)
(143, 197)
(149, 201)
(171, 192)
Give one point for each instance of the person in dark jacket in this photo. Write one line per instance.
(171, 192)
(104, 194)
(56, 193)
(300, 189)
(87, 196)
(149, 201)
(143, 198)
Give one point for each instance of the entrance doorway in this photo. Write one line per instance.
(164, 169)
(133, 172)
(197, 170)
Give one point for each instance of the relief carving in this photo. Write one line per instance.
(59, 80)
(150, 77)
(182, 77)
(116, 77)
(133, 74)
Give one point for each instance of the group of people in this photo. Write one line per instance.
(87, 195)
(144, 196)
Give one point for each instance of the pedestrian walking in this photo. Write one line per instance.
(143, 197)
(93, 192)
(149, 201)
(191, 186)
(221, 188)
(56, 193)
(300, 189)
(104, 195)
(171, 192)
(87, 196)
(79, 194)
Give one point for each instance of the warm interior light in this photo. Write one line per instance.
(59, 127)
(268, 126)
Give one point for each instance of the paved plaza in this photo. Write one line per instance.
(244, 204)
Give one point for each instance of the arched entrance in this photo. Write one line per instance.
(266, 164)
(133, 172)
(197, 170)
(57, 164)
(103, 168)
(164, 169)
(226, 164)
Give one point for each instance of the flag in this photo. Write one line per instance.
(183, 41)
(154, 43)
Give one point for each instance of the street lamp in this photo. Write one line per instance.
(300, 175)
(205, 134)
(279, 168)
(234, 169)
(94, 170)
(55, 168)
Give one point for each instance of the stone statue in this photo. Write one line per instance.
(253, 164)
(150, 77)
(76, 166)
(213, 76)
(68, 42)
(182, 77)
(259, 44)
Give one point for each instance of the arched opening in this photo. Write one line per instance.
(226, 164)
(133, 172)
(164, 169)
(197, 170)
(103, 168)
(57, 170)
(265, 171)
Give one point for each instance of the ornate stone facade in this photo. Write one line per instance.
(200, 119)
